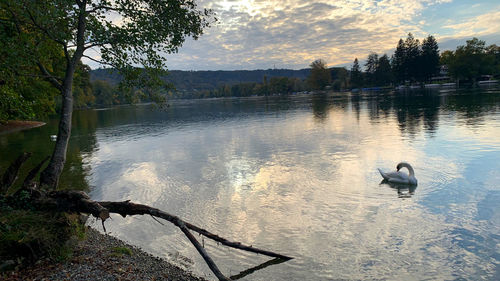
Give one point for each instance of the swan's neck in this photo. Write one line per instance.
(410, 169)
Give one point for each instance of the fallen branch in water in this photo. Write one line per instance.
(127, 208)
(79, 202)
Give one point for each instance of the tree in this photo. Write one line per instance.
(469, 62)
(24, 94)
(320, 75)
(356, 75)
(411, 57)
(339, 78)
(429, 58)
(82, 88)
(146, 29)
(383, 73)
(398, 62)
(371, 66)
(54, 228)
(104, 93)
(493, 53)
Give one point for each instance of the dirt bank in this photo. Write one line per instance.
(16, 125)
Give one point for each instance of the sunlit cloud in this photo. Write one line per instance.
(259, 34)
(485, 24)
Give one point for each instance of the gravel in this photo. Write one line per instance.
(103, 257)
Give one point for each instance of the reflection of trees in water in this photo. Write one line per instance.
(411, 109)
(378, 105)
(416, 107)
(37, 141)
(320, 107)
(323, 103)
(356, 104)
(473, 105)
(417, 110)
(82, 142)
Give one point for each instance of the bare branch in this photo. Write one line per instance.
(98, 61)
(53, 80)
(211, 264)
(78, 201)
(128, 208)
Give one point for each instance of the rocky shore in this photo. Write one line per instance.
(103, 257)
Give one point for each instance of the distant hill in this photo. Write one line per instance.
(208, 80)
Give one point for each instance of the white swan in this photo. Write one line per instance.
(400, 177)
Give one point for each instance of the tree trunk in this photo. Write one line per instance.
(50, 176)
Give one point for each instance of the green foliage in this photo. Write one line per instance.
(82, 88)
(319, 77)
(429, 59)
(207, 83)
(493, 53)
(104, 93)
(371, 66)
(470, 61)
(14, 106)
(398, 62)
(356, 75)
(120, 251)
(26, 235)
(411, 58)
(383, 73)
(413, 61)
(37, 39)
(378, 70)
(339, 78)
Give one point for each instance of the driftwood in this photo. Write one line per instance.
(10, 175)
(127, 208)
(29, 180)
(79, 202)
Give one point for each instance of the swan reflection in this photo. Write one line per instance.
(403, 190)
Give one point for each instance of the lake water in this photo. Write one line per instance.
(298, 175)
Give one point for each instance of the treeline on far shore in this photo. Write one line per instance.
(417, 63)
(413, 63)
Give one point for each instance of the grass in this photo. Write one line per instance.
(120, 251)
(28, 235)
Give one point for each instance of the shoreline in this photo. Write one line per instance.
(103, 257)
(17, 125)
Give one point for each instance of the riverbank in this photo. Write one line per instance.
(17, 125)
(103, 257)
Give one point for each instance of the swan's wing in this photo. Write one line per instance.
(384, 175)
(398, 177)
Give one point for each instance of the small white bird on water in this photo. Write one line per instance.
(400, 177)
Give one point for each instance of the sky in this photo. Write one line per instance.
(258, 34)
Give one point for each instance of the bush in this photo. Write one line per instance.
(14, 106)
(27, 236)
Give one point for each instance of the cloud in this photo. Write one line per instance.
(259, 34)
(482, 25)
(291, 34)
